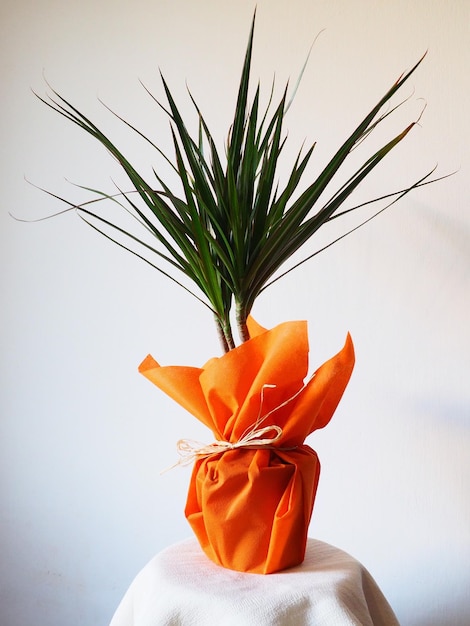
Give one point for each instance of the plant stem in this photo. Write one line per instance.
(225, 334)
(241, 323)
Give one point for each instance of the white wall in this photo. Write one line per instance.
(83, 437)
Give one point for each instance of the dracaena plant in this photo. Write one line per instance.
(230, 227)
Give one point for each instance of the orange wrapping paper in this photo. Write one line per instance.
(250, 508)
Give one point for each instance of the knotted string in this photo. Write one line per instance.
(253, 437)
(190, 450)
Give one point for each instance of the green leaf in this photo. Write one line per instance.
(231, 227)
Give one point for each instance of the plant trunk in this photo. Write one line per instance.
(225, 334)
(241, 323)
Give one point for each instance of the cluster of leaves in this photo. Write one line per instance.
(232, 227)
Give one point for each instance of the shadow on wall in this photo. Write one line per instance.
(456, 616)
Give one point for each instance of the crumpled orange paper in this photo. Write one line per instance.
(250, 507)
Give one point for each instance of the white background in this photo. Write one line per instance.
(84, 437)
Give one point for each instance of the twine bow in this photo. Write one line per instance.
(253, 437)
(190, 450)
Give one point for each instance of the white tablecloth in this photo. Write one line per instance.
(181, 587)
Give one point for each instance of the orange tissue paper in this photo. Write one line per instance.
(252, 491)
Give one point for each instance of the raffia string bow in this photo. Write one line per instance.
(190, 450)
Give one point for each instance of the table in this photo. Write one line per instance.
(180, 586)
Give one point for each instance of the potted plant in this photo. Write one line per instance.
(230, 229)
